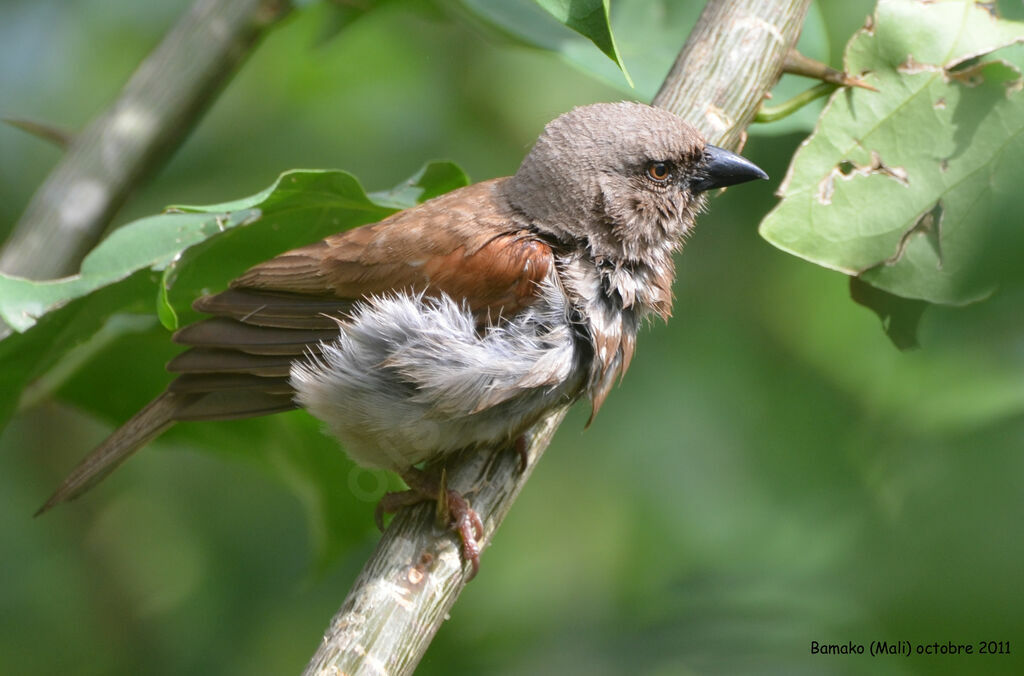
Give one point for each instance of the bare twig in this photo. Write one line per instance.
(61, 138)
(798, 64)
(157, 108)
(396, 605)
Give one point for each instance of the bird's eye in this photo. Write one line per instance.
(659, 171)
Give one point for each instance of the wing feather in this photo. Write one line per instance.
(465, 244)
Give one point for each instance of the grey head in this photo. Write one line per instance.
(624, 178)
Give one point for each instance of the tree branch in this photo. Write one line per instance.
(158, 107)
(413, 578)
(732, 58)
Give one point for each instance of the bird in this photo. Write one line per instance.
(454, 325)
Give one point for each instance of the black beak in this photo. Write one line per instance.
(722, 168)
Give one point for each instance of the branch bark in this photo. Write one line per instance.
(161, 103)
(734, 55)
(415, 575)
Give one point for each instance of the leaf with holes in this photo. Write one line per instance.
(907, 187)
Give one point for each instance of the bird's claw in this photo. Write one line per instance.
(466, 522)
(453, 512)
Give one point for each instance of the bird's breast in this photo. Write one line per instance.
(608, 323)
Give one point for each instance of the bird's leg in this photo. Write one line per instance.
(453, 510)
(392, 502)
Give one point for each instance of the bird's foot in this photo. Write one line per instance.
(453, 510)
(466, 522)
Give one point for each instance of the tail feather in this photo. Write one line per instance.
(157, 416)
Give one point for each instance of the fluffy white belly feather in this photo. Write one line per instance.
(410, 378)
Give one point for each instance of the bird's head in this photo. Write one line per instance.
(626, 178)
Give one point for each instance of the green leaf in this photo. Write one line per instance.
(302, 206)
(902, 186)
(24, 357)
(147, 243)
(648, 35)
(435, 178)
(197, 249)
(591, 19)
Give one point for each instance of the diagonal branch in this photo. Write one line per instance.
(732, 58)
(415, 575)
(161, 103)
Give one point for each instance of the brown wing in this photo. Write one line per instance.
(464, 244)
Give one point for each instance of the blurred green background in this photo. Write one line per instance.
(771, 472)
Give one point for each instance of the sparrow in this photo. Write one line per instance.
(457, 324)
